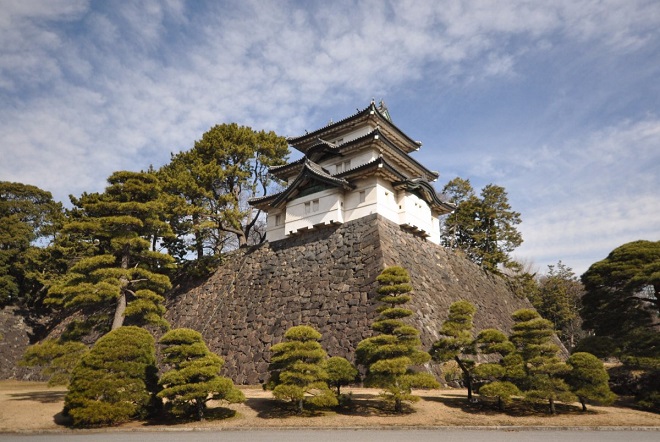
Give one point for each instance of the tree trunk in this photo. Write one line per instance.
(200, 410)
(118, 320)
(552, 406)
(199, 242)
(397, 405)
(500, 403)
(300, 406)
(242, 239)
(466, 376)
(584, 404)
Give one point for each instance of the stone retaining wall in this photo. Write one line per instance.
(326, 278)
(14, 339)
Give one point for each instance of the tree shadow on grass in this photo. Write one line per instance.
(268, 408)
(45, 397)
(62, 420)
(516, 408)
(367, 405)
(211, 414)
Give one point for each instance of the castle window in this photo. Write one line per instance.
(315, 206)
(339, 168)
(308, 208)
(363, 196)
(278, 220)
(347, 165)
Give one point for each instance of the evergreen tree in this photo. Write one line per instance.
(558, 300)
(29, 221)
(214, 180)
(340, 372)
(622, 298)
(297, 368)
(389, 356)
(532, 336)
(116, 381)
(588, 379)
(499, 377)
(122, 227)
(194, 378)
(56, 357)
(484, 226)
(457, 340)
(502, 390)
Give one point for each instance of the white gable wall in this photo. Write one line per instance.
(274, 230)
(325, 207)
(414, 211)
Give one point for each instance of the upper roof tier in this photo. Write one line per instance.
(373, 116)
(376, 138)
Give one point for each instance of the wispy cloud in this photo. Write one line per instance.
(88, 88)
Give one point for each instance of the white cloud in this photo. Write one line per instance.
(593, 194)
(90, 88)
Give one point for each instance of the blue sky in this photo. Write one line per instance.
(557, 101)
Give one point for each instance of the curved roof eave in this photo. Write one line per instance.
(372, 108)
(428, 193)
(314, 171)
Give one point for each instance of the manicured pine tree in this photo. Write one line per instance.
(116, 381)
(498, 375)
(340, 372)
(389, 356)
(194, 378)
(297, 368)
(532, 336)
(457, 341)
(56, 357)
(588, 379)
(123, 225)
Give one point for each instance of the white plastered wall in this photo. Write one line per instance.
(325, 207)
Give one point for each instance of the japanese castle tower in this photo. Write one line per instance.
(353, 168)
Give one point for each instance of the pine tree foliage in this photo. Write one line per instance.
(56, 357)
(29, 221)
(116, 381)
(544, 370)
(589, 379)
(390, 356)
(558, 300)
(122, 226)
(622, 298)
(510, 367)
(340, 372)
(499, 378)
(297, 368)
(457, 341)
(194, 377)
(484, 226)
(504, 391)
(212, 183)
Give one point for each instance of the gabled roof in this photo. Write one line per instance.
(310, 172)
(322, 149)
(379, 164)
(332, 130)
(426, 192)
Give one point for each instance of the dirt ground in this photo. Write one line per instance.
(32, 406)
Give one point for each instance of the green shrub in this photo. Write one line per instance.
(116, 381)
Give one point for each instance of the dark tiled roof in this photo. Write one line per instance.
(310, 170)
(384, 117)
